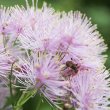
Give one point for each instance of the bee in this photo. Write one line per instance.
(74, 67)
(70, 69)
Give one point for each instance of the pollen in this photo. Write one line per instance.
(45, 74)
(37, 66)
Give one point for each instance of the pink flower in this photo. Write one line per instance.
(19, 15)
(41, 71)
(5, 65)
(90, 90)
(4, 94)
(4, 20)
(70, 34)
(58, 54)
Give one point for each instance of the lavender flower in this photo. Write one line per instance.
(57, 54)
(4, 94)
(90, 90)
(70, 34)
(4, 20)
(41, 72)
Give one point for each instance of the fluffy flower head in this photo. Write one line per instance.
(90, 91)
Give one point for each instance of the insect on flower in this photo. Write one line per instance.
(70, 69)
(71, 65)
(58, 55)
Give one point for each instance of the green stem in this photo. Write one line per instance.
(38, 105)
(17, 108)
(26, 95)
(52, 108)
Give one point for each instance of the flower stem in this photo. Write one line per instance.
(26, 95)
(38, 105)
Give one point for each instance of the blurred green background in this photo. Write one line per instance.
(98, 10)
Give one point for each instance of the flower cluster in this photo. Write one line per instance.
(57, 54)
